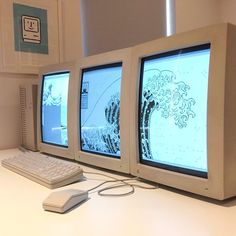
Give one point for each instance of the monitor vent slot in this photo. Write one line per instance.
(23, 115)
(28, 111)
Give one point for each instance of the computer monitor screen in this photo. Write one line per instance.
(54, 104)
(100, 110)
(173, 110)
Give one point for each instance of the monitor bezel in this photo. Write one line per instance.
(52, 148)
(213, 185)
(100, 160)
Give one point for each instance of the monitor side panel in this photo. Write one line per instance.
(66, 152)
(213, 186)
(230, 115)
(118, 164)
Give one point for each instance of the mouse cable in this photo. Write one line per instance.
(120, 183)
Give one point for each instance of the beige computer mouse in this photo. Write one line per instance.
(62, 201)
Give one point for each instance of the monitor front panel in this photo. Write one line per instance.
(100, 110)
(173, 110)
(54, 106)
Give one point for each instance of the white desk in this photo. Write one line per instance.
(157, 212)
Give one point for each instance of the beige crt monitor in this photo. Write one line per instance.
(55, 121)
(103, 110)
(183, 112)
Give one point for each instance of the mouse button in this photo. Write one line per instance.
(57, 198)
(73, 192)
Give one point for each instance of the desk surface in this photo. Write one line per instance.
(159, 212)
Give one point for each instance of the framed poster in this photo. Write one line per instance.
(30, 29)
(29, 35)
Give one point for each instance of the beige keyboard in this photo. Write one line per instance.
(46, 170)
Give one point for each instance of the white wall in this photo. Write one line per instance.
(70, 30)
(115, 24)
(191, 14)
(228, 11)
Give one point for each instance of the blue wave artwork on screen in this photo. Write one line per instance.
(100, 110)
(54, 109)
(173, 110)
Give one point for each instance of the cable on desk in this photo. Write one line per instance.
(120, 183)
